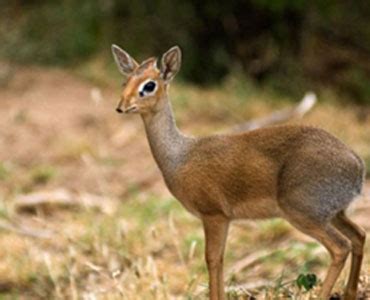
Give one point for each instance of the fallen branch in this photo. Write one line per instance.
(281, 116)
(248, 261)
(61, 198)
(247, 287)
(239, 289)
(40, 234)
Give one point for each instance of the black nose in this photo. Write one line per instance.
(119, 110)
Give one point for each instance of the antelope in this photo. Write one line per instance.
(300, 173)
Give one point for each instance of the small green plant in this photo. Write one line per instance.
(307, 281)
(367, 165)
(4, 171)
(42, 174)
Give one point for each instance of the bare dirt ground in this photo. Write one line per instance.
(53, 118)
(58, 131)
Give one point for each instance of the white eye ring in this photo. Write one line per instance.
(143, 92)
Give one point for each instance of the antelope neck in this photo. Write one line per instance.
(168, 145)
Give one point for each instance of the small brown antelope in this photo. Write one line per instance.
(299, 173)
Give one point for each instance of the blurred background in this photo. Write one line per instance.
(84, 213)
(289, 45)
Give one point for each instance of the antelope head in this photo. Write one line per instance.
(146, 85)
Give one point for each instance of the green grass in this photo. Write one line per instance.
(155, 248)
(5, 171)
(367, 164)
(42, 174)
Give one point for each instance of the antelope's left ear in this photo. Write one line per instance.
(170, 63)
(125, 63)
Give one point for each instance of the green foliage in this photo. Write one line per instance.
(4, 212)
(356, 83)
(4, 171)
(149, 211)
(42, 174)
(280, 5)
(367, 165)
(292, 45)
(53, 32)
(307, 281)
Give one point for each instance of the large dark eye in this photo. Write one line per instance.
(149, 87)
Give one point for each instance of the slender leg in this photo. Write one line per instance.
(357, 236)
(334, 241)
(338, 246)
(215, 228)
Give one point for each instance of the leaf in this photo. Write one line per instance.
(308, 281)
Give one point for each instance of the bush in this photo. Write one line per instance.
(293, 44)
(59, 32)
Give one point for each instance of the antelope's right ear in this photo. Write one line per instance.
(171, 63)
(126, 64)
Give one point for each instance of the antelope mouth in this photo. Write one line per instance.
(131, 109)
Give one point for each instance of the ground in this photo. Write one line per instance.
(128, 238)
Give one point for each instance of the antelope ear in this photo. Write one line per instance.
(171, 63)
(126, 64)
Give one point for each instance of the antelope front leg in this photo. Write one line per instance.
(215, 229)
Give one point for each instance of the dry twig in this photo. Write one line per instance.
(61, 198)
(40, 234)
(281, 116)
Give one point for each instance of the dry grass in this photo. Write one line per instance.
(59, 131)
